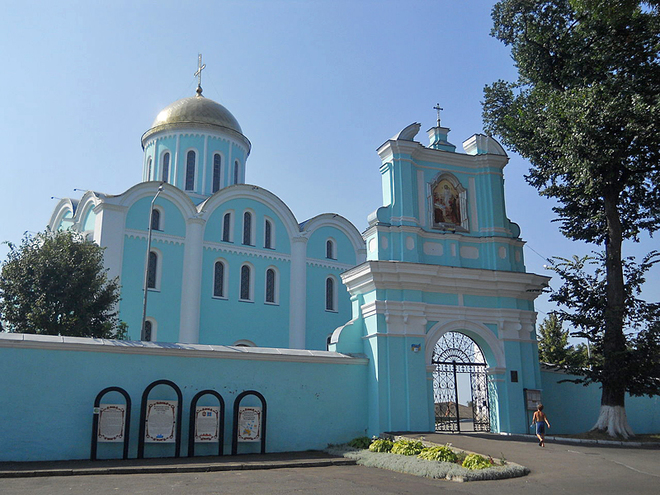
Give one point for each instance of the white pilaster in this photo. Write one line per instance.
(298, 293)
(191, 286)
(109, 234)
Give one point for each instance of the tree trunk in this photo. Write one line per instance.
(612, 416)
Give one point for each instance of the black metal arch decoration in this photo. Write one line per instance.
(95, 421)
(234, 434)
(457, 347)
(143, 414)
(191, 422)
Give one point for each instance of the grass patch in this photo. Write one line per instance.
(430, 469)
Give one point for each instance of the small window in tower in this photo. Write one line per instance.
(270, 285)
(166, 167)
(148, 326)
(226, 227)
(219, 279)
(236, 171)
(268, 235)
(247, 228)
(246, 283)
(330, 294)
(330, 250)
(190, 170)
(155, 220)
(149, 169)
(217, 162)
(152, 268)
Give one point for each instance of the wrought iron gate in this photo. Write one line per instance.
(454, 354)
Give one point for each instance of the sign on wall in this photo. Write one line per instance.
(249, 424)
(532, 398)
(112, 420)
(160, 421)
(207, 423)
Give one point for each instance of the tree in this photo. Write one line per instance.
(585, 112)
(554, 347)
(54, 283)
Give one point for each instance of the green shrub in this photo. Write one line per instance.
(407, 447)
(360, 443)
(443, 454)
(381, 445)
(476, 461)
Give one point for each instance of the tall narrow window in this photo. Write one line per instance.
(270, 285)
(166, 167)
(330, 294)
(151, 270)
(219, 279)
(149, 169)
(268, 235)
(147, 331)
(247, 228)
(236, 172)
(217, 162)
(245, 283)
(155, 220)
(190, 170)
(226, 227)
(330, 250)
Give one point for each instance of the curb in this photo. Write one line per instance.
(586, 441)
(177, 468)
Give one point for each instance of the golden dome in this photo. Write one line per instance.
(195, 111)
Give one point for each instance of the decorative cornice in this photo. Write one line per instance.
(328, 264)
(244, 251)
(169, 239)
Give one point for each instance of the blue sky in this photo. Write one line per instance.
(317, 87)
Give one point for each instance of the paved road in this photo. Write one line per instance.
(555, 469)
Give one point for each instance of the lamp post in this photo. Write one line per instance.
(146, 263)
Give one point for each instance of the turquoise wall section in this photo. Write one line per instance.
(310, 404)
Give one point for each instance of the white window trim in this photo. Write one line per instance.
(169, 166)
(159, 269)
(272, 232)
(231, 226)
(225, 279)
(334, 248)
(149, 167)
(276, 288)
(251, 282)
(195, 171)
(335, 292)
(253, 227)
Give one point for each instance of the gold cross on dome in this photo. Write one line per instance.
(437, 108)
(198, 74)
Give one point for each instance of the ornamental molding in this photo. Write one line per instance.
(328, 264)
(444, 236)
(246, 251)
(164, 238)
(397, 275)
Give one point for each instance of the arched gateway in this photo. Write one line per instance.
(460, 385)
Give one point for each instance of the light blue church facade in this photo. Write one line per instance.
(342, 333)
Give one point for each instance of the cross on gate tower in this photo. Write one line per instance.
(198, 74)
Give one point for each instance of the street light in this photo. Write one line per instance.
(146, 263)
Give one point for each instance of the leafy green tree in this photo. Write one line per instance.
(55, 283)
(585, 111)
(553, 341)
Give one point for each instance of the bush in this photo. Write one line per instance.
(443, 454)
(360, 443)
(476, 461)
(381, 445)
(407, 447)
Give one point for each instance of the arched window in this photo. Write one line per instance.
(330, 251)
(217, 162)
(246, 283)
(330, 294)
(149, 168)
(166, 167)
(268, 234)
(236, 172)
(271, 286)
(226, 227)
(152, 270)
(155, 219)
(219, 279)
(191, 157)
(247, 228)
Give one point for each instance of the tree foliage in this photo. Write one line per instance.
(554, 347)
(55, 283)
(585, 111)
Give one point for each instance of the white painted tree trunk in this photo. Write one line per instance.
(613, 420)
